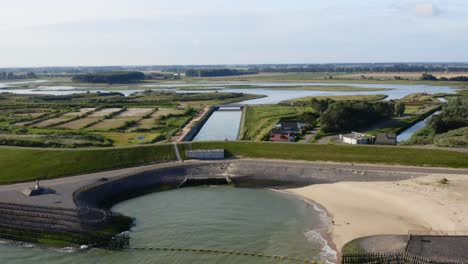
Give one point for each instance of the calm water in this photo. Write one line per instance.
(408, 133)
(220, 126)
(273, 95)
(217, 218)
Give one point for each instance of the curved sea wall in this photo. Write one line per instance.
(87, 198)
(242, 173)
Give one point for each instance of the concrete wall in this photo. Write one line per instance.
(197, 127)
(243, 173)
(208, 154)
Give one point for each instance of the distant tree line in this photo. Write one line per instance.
(345, 116)
(365, 68)
(12, 76)
(430, 77)
(217, 72)
(332, 67)
(110, 77)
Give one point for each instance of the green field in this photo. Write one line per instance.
(339, 153)
(260, 120)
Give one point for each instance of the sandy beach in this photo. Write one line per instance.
(361, 209)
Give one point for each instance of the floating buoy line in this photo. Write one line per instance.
(224, 252)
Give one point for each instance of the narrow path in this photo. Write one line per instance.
(192, 123)
(176, 151)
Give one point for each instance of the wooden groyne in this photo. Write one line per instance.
(391, 258)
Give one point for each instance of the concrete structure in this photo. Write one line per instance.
(205, 154)
(386, 139)
(356, 138)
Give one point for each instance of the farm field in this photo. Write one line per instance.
(113, 123)
(80, 123)
(101, 119)
(153, 121)
(130, 138)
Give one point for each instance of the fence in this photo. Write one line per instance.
(390, 258)
(34, 223)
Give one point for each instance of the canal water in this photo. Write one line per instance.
(408, 133)
(223, 124)
(215, 218)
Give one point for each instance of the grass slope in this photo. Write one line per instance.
(25, 164)
(259, 120)
(339, 153)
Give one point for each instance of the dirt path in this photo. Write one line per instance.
(192, 123)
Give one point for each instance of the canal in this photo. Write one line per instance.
(408, 133)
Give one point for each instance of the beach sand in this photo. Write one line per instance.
(361, 209)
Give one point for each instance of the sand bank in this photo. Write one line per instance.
(371, 208)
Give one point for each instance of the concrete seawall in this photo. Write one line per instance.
(241, 173)
(99, 191)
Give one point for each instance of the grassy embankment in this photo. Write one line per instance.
(26, 164)
(339, 153)
(48, 163)
(365, 97)
(260, 120)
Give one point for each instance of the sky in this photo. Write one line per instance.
(157, 32)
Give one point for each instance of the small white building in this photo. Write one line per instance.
(355, 138)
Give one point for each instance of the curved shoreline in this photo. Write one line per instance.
(100, 191)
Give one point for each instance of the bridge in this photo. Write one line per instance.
(229, 105)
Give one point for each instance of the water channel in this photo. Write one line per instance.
(408, 133)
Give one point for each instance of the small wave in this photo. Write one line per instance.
(67, 250)
(327, 254)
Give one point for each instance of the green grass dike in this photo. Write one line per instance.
(339, 153)
(27, 164)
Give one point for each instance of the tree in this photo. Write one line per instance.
(428, 77)
(400, 109)
(345, 116)
(320, 105)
